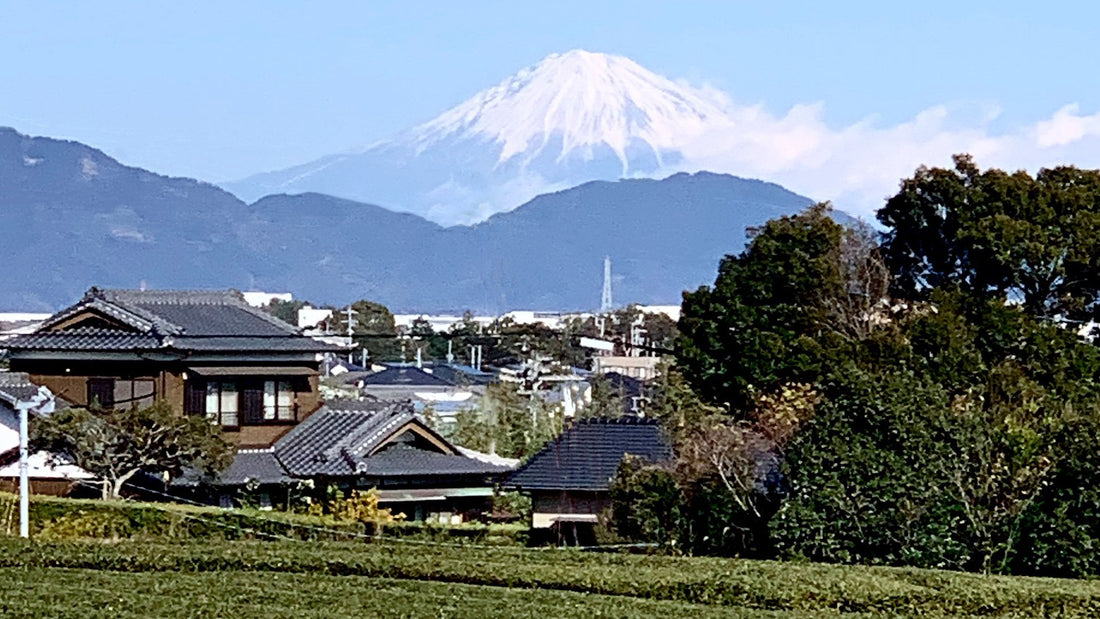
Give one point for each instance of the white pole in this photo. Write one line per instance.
(24, 489)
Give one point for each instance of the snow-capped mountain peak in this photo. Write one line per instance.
(586, 99)
(571, 118)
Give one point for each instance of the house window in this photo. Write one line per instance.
(121, 393)
(222, 403)
(138, 392)
(278, 400)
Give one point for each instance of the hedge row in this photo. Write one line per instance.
(60, 519)
(737, 583)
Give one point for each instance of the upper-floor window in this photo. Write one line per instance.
(278, 401)
(222, 403)
(242, 401)
(121, 392)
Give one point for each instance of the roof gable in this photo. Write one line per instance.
(351, 438)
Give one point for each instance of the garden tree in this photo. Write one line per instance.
(863, 304)
(676, 405)
(762, 322)
(660, 330)
(864, 475)
(605, 400)
(741, 459)
(1005, 435)
(374, 329)
(1035, 240)
(1059, 532)
(287, 311)
(431, 344)
(115, 445)
(938, 452)
(507, 423)
(647, 504)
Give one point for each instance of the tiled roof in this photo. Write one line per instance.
(182, 320)
(85, 338)
(327, 442)
(587, 455)
(400, 460)
(461, 375)
(260, 466)
(283, 344)
(16, 387)
(341, 439)
(404, 376)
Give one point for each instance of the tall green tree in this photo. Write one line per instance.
(373, 328)
(762, 322)
(1035, 240)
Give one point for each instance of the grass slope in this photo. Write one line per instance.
(64, 593)
(519, 576)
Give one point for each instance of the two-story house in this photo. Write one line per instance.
(211, 354)
(203, 352)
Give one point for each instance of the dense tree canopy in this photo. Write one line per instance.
(935, 403)
(763, 320)
(1035, 240)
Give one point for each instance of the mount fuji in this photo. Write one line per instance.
(571, 118)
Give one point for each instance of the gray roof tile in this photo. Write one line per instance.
(183, 320)
(587, 455)
(259, 466)
(401, 460)
(84, 338)
(404, 376)
(341, 439)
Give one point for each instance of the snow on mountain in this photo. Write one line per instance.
(571, 118)
(586, 99)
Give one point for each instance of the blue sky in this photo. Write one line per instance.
(219, 90)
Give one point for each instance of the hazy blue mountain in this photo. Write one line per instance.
(73, 217)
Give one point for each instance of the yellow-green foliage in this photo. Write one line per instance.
(357, 506)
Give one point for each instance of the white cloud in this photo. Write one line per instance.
(859, 165)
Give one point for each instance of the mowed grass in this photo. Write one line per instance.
(249, 578)
(60, 592)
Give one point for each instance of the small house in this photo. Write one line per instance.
(569, 479)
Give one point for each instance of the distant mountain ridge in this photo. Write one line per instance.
(74, 217)
(569, 119)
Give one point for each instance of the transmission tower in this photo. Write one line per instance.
(605, 300)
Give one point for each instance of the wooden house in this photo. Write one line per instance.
(203, 352)
(211, 354)
(570, 477)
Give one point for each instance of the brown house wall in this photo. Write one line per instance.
(73, 389)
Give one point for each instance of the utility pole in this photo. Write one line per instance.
(24, 484)
(43, 402)
(351, 323)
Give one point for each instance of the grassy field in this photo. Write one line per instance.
(58, 592)
(274, 579)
